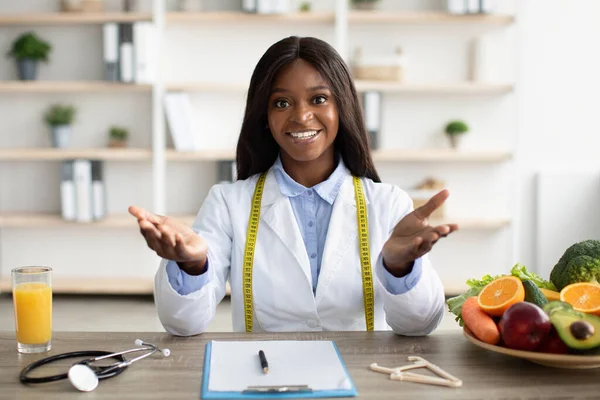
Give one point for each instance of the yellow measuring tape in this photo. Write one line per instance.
(363, 240)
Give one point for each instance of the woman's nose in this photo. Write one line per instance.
(302, 114)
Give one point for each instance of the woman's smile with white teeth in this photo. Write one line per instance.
(304, 134)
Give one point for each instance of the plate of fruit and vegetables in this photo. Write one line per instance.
(553, 323)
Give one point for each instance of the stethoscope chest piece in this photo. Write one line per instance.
(83, 378)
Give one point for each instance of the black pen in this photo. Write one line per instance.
(263, 361)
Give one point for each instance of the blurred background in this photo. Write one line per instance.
(112, 103)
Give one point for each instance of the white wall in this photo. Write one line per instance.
(550, 54)
(558, 107)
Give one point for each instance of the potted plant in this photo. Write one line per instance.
(364, 4)
(454, 130)
(59, 118)
(305, 6)
(28, 50)
(117, 136)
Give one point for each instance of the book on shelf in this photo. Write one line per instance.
(226, 171)
(471, 6)
(249, 5)
(67, 192)
(129, 52)
(371, 102)
(98, 191)
(144, 44)
(110, 42)
(82, 192)
(126, 53)
(181, 122)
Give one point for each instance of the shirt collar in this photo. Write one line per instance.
(327, 190)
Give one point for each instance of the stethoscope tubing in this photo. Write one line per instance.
(102, 372)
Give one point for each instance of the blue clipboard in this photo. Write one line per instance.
(300, 394)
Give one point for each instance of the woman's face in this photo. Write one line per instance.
(302, 113)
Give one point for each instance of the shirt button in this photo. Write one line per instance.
(310, 224)
(309, 192)
(313, 255)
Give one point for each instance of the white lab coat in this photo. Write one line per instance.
(282, 286)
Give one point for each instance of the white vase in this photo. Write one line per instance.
(455, 140)
(61, 134)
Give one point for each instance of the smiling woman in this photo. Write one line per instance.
(308, 237)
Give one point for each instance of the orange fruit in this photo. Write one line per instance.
(583, 296)
(498, 295)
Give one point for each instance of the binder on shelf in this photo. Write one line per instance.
(297, 369)
(249, 5)
(82, 170)
(68, 199)
(180, 119)
(110, 38)
(457, 6)
(126, 52)
(473, 6)
(371, 102)
(98, 191)
(144, 48)
(226, 171)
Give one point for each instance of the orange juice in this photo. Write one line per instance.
(33, 312)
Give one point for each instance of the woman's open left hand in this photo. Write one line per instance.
(413, 237)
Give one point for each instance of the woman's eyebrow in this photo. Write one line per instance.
(310, 89)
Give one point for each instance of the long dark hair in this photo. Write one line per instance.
(256, 148)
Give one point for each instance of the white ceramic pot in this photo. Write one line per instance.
(61, 134)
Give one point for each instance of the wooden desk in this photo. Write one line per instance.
(485, 375)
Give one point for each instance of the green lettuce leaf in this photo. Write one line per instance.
(521, 272)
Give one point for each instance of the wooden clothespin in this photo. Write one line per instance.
(399, 374)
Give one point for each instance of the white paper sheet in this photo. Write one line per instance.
(235, 365)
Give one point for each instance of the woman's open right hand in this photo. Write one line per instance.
(172, 240)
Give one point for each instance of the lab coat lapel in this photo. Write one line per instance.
(277, 213)
(342, 237)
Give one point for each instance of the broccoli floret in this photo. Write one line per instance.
(579, 263)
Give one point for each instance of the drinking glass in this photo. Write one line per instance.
(32, 299)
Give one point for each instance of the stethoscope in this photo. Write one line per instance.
(83, 375)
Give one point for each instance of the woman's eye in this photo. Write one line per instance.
(320, 99)
(281, 104)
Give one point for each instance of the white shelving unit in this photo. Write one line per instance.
(340, 20)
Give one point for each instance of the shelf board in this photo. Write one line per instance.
(51, 220)
(440, 155)
(205, 155)
(48, 220)
(473, 223)
(391, 155)
(95, 285)
(72, 18)
(192, 17)
(206, 87)
(407, 17)
(71, 87)
(452, 289)
(53, 154)
(465, 88)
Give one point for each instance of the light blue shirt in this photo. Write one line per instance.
(312, 208)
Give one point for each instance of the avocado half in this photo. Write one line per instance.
(578, 330)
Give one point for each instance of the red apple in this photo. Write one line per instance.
(524, 326)
(553, 344)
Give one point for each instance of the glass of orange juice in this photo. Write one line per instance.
(32, 299)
